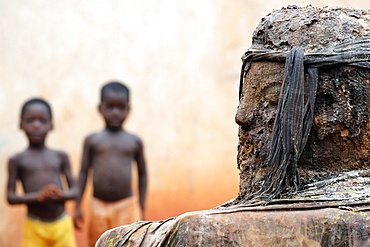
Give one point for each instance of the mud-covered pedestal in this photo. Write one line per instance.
(324, 227)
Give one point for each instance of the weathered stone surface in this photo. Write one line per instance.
(239, 227)
(328, 213)
(339, 137)
(310, 27)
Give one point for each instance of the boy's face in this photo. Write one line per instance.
(36, 123)
(114, 109)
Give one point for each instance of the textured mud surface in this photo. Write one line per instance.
(339, 137)
(242, 227)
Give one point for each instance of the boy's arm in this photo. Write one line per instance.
(82, 178)
(142, 174)
(85, 165)
(72, 191)
(12, 196)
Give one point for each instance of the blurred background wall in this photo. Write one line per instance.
(181, 60)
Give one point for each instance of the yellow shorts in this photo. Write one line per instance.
(57, 233)
(107, 215)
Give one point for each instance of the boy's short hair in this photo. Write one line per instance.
(114, 86)
(36, 101)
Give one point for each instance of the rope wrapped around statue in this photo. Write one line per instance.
(294, 115)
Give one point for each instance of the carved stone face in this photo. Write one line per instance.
(261, 90)
(340, 132)
(255, 116)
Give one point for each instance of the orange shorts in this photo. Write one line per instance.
(106, 215)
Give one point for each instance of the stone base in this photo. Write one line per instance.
(243, 226)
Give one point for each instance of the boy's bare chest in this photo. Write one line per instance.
(40, 163)
(115, 147)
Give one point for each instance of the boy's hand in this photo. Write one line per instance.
(78, 218)
(50, 192)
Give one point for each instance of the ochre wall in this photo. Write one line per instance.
(181, 60)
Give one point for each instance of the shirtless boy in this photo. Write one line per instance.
(39, 169)
(109, 154)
